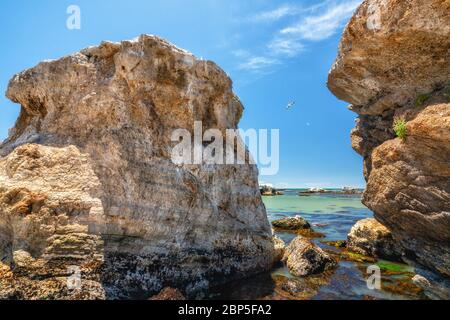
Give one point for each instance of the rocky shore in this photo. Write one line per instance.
(343, 191)
(270, 191)
(393, 67)
(93, 207)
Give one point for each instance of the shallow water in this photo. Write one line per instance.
(332, 215)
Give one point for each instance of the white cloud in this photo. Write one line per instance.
(314, 23)
(285, 46)
(257, 63)
(321, 26)
(283, 11)
(274, 15)
(240, 53)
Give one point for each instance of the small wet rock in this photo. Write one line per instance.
(296, 225)
(304, 258)
(370, 238)
(291, 223)
(295, 287)
(434, 286)
(168, 294)
(421, 281)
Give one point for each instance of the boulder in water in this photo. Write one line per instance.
(303, 258)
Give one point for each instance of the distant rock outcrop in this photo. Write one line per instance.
(270, 191)
(291, 223)
(394, 63)
(88, 188)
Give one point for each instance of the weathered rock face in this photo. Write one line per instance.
(48, 206)
(86, 177)
(303, 258)
(371, 238)
(394, 61)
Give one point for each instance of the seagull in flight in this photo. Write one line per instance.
(290, 105)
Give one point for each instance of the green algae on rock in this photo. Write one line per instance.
(337, 243)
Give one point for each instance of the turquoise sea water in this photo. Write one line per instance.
(330, 214)
(333, 216)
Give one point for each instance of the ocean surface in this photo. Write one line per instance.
(333, 216)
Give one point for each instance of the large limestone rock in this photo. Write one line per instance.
(391, 51)
(87, 181)
(369, 237)
(394, 61)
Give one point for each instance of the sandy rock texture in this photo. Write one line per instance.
(394, 62)
(86, 178)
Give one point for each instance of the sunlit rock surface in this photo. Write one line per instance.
(302, 257)
(394, 62)
(86, 178)
(369, 237)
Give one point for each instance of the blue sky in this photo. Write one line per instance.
(275, 52)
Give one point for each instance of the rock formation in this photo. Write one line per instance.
(270, 191)
(297, 225)
(291, 223)
(303, 258)
(394, 62)
(87, 183)
(369, 237)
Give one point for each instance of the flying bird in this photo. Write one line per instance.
(290, 105)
